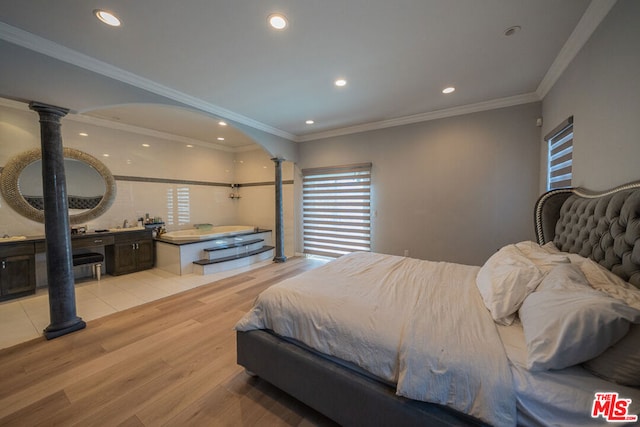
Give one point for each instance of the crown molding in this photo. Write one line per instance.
(423, 117)
(54, 50)
(592, 17)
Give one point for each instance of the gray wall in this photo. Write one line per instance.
(601, 89)
(453, 189)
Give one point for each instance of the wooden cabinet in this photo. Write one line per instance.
(130, 252)
(80, 241)
(17, 270)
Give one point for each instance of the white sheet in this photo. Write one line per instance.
(560, 397)
(419, 324)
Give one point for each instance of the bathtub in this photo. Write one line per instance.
(207, 233)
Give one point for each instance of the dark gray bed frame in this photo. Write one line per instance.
(603, 226)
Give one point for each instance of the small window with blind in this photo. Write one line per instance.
(336, 208)
(560, 155)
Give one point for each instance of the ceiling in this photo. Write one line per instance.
(221, 59)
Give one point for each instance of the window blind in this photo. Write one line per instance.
(560, 155)
(336, 207)
(184, 205)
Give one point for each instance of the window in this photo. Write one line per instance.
(182, 203)
(336, 210)
(560, 155)
(184, 211)
(169, 206)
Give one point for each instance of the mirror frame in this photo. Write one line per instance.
(11, 191)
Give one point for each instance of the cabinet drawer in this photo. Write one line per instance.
(91, 241)
(133, 236)
(16, 250)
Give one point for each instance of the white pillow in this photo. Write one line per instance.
(544, 258)
(621, 362)
(505, 280)
(566, 277)
(567, 322)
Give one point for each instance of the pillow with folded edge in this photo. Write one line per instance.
(504, 281)
(620, 363)
(512, 273)
(566, 322)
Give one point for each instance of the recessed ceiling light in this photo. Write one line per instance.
(83, 134)
(189, 146)
(340, 82)
(278, 21)
(220, 138)
(512, 30)
(107, 17)
(309, 122)
(146, 145)
(105, 155)
(448, 89)
(222, 123)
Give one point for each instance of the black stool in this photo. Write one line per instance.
(92, 258)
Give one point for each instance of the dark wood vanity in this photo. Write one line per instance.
(18, 269)
(130, 251)
(125, 251)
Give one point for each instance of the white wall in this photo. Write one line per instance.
(164, 159)
(454, 189)
(601, 89)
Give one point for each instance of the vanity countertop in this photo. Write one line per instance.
(105, 237)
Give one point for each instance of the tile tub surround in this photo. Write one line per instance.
(178, 257)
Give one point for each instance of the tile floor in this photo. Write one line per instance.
(25, 318)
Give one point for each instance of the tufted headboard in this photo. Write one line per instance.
(603, 226)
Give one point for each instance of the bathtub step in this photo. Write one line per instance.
(228, 245)
(208, 266)
(232, 257)
(232, 249)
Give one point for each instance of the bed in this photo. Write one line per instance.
(528, 338)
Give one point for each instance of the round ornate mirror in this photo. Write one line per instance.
(91, 188)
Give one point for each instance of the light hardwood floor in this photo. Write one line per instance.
(168, 362)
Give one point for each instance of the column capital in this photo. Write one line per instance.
(47, 111)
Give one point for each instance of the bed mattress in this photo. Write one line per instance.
(409, 322)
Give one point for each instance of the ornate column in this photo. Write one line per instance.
(279, 214)
(62, 298)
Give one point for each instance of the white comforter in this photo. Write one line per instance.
(419, 324)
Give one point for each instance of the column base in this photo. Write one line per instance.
(54, 331)
(280, 259)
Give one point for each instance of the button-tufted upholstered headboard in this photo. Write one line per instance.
(603, 226)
